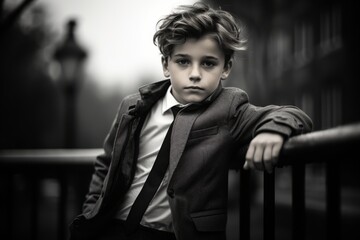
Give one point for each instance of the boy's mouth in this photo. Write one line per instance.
(194, 88)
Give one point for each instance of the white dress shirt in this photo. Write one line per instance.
(156, 125)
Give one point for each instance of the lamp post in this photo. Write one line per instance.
(70, 56)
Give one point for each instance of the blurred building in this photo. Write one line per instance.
(302, 52)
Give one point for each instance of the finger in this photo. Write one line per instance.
(246, 166)
(258, 157)
(275, 153)
(249, 157)
(267, 158)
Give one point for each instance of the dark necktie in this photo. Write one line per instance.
(153, 181)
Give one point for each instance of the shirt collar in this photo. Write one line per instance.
(169, 101)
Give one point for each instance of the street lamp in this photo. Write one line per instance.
(70, 56)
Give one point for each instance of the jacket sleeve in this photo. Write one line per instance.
(248, 120)
(102, 163)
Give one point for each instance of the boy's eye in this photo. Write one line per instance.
(208, 64)
(182, 61)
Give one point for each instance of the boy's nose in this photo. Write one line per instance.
(195, 74)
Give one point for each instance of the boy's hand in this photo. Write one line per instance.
(263, 151)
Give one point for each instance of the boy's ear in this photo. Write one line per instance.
(226, 70)
(164, 62)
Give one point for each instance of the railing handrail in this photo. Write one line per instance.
(52, 157)
(321, 146)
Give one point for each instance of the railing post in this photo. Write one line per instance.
(62, 207)
(333, 224)
(244, 207)
(298, 202)
(9, 224)
(269, 206)
(34, 217)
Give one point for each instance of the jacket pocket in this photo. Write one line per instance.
(204, 132)
(210, 220)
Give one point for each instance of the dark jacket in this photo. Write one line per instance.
(206, 138)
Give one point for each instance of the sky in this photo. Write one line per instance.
(117, 35)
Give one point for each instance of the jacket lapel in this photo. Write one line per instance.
(182, 127)
(179, 136)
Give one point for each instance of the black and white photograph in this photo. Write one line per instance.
(179, 120)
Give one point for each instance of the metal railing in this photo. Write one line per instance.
(320, 146)
(66, 166)
(325, 146)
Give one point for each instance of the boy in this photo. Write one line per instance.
(190, 199)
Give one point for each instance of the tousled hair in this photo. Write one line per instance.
(195, 21)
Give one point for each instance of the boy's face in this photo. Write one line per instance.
(195, 69)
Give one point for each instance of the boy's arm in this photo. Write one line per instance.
(265, 129)
(101, 166)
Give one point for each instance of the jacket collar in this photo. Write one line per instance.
(149, 95)
(152, 92)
